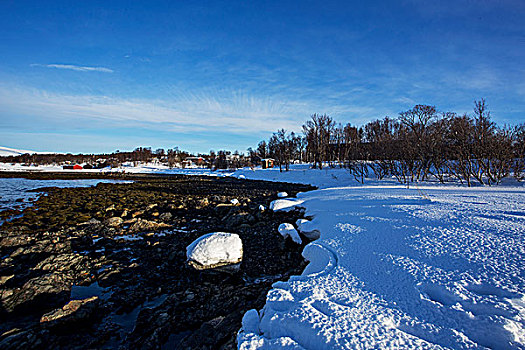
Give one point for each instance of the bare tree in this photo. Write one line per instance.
(518, 143)
(380, 136)
(417, 140)
(501, 155)
(282, 147)
(262, 149)
(460, 139)
(318, 133)
(438, 148)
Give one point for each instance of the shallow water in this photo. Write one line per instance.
(14, 191)
(93, 290)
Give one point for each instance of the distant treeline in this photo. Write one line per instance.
(418, 145)
(172, 157)
(141, 154)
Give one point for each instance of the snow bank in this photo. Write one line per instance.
(432, 267)
(287, 230)
(307, 228)
(215, 250)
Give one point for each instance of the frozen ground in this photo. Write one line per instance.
(432, 266)
(397, 268)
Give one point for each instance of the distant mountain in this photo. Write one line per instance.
(5, 152)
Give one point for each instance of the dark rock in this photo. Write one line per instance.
(142, 225)
(15, 241)
(38, 292)
(114, 221)
(72, 312)
(20, 340)
(165, 217)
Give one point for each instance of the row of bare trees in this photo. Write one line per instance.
(419, 145)
(423, 144)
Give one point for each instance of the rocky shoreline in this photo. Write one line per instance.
(105, 266)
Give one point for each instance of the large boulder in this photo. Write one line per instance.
(213, 250)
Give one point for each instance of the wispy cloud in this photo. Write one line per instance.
(74, 67)
(226, 111)
(237, 113)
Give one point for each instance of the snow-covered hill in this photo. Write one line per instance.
(5, 152)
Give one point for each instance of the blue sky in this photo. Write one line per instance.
(97, 76)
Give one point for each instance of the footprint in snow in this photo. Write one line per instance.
(437, 293)
(487, 289)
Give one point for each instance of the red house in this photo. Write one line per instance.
(267, 163)
(77, 167)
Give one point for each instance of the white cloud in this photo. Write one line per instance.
(74, 67)
(405, 100)
(236, 113)
(216, 111)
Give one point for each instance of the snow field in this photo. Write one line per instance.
(433, 267)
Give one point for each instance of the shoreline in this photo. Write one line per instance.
(130, 269)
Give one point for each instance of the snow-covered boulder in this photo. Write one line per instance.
(287, 230)
(308, 229)
(262, 208)
(215, 249)
(235, 201)
(285, 204)
(282, 194)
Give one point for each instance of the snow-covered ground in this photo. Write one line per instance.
(156, 168)
(427, 267)
(300, 173)
(403, 268)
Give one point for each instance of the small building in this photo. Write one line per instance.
(77, 167)
(198, 161)
(267, 163)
